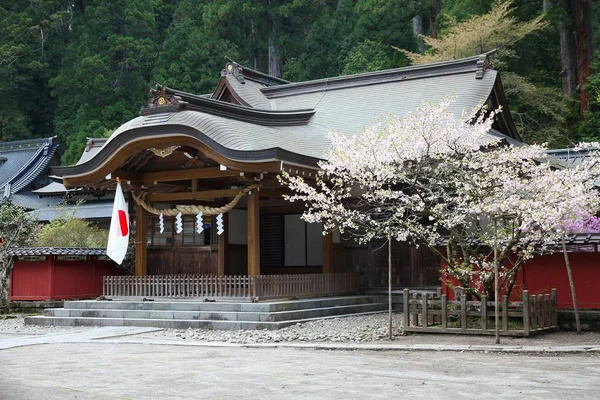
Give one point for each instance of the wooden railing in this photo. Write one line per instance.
(255, 287)
(304, 285)
(433, 313)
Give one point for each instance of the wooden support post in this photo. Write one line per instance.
(533, 313)
(254, 233)
(526, 326)
(141, 247)
(554, 306)
(405, 307)
(425, 303)
(463, 310)
(328, 263)
(444, 306)
(415, 314)
(222, 251)
(504, 313)
(484, 316)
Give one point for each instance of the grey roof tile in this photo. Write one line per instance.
(92, 210)
(24, 161)
(56, 251)
(310, 109)
(32, 201)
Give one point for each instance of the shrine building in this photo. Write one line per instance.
(221, 154)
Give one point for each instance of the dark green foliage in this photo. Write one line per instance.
(80, 69)
(105, 70)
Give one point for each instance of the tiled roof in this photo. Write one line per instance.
(56, 251)
(91, 148)
(289, 121)
(32, 201)
(23, 162)
(92, 210)
(571, 156)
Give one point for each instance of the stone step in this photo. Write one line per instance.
(276, 316)
(174, 323)
(220, 305)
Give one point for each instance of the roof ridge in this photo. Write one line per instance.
(477, 64)
(252, 74)
(8, 146)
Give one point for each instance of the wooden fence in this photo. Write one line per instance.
(226, 286)
(433, 313)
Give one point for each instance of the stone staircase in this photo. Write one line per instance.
(223, 314)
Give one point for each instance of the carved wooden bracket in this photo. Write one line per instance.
(167, 151)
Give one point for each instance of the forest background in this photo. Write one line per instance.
(80, 68)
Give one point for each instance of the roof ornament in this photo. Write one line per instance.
(483, 63)
(162, 98)
(236, 70)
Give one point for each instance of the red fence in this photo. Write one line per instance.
(56, 279)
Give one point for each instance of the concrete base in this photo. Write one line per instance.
(28, 307)
(209, 315)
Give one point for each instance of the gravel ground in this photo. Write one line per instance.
(364, 328)
(357, 329)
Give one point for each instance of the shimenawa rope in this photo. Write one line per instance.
(191, 210)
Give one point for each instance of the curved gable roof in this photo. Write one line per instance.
(281, 121)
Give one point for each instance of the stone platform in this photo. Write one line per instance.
(197, 313)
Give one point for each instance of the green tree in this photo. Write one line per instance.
(105, 70)
(192, 52)
(69, 231)
(31, 36)
(17, 229)
(541, 112)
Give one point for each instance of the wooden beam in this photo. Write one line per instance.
(141, 247)
(254, 234)
(148, 178)
(222, 251)
(203, 195)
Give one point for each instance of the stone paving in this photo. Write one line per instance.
(368, 332)
(103, 370)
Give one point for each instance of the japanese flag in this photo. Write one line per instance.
(118, 236)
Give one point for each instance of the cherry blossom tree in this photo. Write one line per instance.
(435, 179)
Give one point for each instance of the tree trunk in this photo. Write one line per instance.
(390, 297)
(6, 266)
(571, 284)
(274, 59)
(585, 48)
(417, 23)
(568, 51)
(436, 7)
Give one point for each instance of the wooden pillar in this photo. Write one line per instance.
(254, 234)
(328, 256)
(141, 246)
(222, 250)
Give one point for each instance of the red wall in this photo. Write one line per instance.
(543, 273)
(55, 279)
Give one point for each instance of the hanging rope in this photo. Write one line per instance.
(191, 210)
